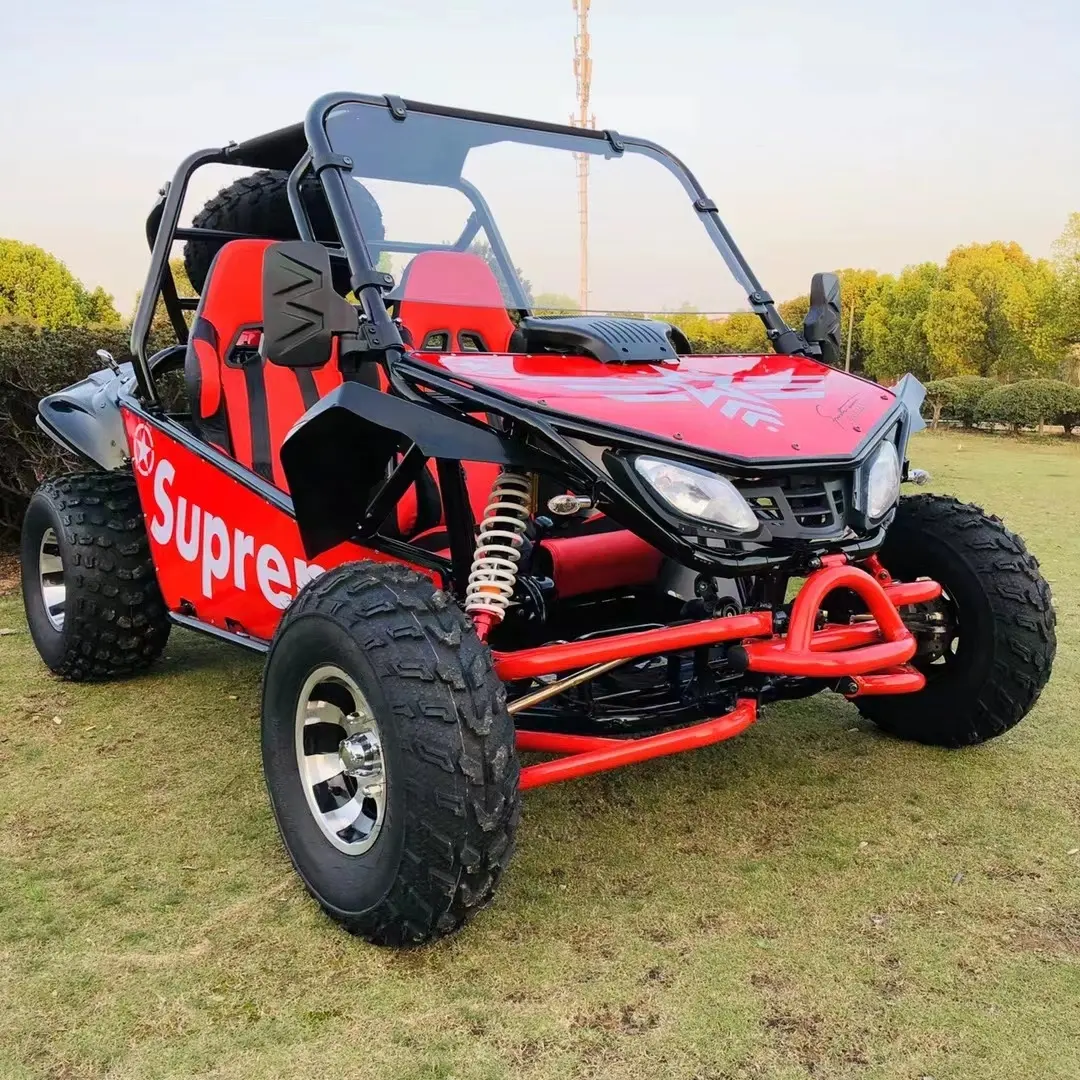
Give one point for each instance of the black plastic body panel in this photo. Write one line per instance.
(340, 451)
(85, 417)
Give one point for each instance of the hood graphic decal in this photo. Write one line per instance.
(657, 385)
(755, 408)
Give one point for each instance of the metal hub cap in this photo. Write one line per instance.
(339, 757)
(51, 579)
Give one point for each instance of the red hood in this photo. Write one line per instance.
(738, 406)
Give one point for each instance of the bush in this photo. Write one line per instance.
(969, 391)
(35, 362)
(941, 394)
(1031, 403)
(741, 333)
(957, 398)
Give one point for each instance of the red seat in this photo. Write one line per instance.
(240, 403)
(451, 302)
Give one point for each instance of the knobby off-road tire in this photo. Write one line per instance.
(259, 205)
(87, 531)
(1005, 621)
(447, 743)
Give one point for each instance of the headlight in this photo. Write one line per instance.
(882, 481)
(698, 494)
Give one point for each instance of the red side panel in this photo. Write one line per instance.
(222, 552)
(454, 292)
(602, 561)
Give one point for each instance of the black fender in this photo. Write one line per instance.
(85, 417)
(341, 448)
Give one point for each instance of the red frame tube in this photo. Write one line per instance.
(769, 659)
(551, 742)
(593, 758)
(872, 655)
(549, 659)
(800, 653)
(899, 680)
(912, 592)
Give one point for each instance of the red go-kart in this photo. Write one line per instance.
(466, 520)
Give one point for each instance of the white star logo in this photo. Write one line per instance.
(143, 445)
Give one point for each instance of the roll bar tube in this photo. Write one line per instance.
(159, 265)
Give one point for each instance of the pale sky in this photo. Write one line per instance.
(829, 132)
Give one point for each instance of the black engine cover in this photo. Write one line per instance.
(609, 340)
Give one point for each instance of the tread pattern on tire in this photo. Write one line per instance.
(258, 204)
(115, 619)
(1024, 638)
(250, 204)
(450, 709)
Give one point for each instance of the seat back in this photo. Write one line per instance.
(240, 403)
(451, 302)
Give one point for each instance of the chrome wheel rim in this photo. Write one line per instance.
(51, 579)
(340, 761)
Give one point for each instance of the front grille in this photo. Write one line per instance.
(799, 504)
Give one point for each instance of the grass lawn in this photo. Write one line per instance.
(809, 900)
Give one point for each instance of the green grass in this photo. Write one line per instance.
(811, 900)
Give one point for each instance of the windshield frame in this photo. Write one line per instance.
(333, 165)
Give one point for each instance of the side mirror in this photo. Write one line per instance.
(301, 310)
(821, 326)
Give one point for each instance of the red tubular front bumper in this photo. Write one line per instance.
(870, 656)
(587, 755)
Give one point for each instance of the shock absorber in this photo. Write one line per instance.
(498, 550)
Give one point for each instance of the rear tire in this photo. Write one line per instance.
(1004, 617)
(259, 205)
(377, 647)
(91, 595)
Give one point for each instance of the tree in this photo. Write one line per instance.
(940, 395)
(555, 303)
(969, 392)
(957, 398)
(1067, 264)
(742, 332)
(793, 311)
(893, 326)
(37, 286)
(994, 313)
(858, 289)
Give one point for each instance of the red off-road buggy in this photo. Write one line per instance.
(464, 523)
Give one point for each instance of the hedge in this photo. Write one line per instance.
(957, 398)
(35, 362)
(1031, 403)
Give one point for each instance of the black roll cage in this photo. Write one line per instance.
(303, 149)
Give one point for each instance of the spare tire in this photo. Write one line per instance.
(259, 205)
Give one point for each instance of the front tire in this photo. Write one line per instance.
(389, 754)
(91, 595)
(997, 605)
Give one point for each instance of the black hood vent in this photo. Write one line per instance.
(609, 340)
